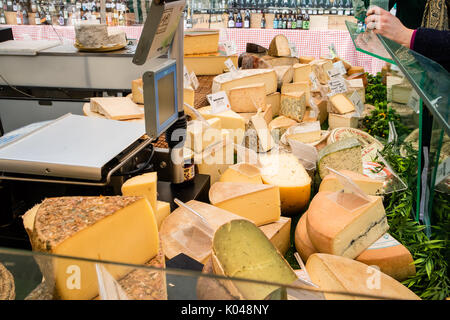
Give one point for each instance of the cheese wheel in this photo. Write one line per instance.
(303, 244)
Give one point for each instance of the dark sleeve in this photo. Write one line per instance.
(433, 44)
(391, 3)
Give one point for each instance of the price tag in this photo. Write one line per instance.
(443, 171)
(333, 52)
(392, 133)
(186, 77)
(314, 81)
(414, 101)
(337, 85)
(339, 66)
(194, 80)
(230, 65)
(219, 102)
(357, 102)
(230, 48)
(294, 52)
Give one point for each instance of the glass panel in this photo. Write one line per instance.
(368, 43)
(429, 79)
(84, 279)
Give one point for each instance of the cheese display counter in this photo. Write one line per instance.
(303, 176)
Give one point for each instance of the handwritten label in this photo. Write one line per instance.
(333, 52)
(194, 80)
(186, 77)
(443, 171)
(219, 102)
(294, 52)
(337, 85)
(314, 81)
(230, 47)
(231, 67)
(355, 98)
(339, 66)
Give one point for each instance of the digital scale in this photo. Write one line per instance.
(72, 152)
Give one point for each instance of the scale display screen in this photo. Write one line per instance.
(166, 96)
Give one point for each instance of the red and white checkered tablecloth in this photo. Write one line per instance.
(309, 43)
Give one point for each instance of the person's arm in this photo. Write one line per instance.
(433, 44)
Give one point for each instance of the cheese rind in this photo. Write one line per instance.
(241, 250)
(293, 105)
(298, 87)
(341, 155)
(302, 72)
(227, 81)
(208, 64)
(321, 68)
(97, 35)
(199, 42)
(162, 212)
(120, 229)
(259, 203)
(338, 274)
(143, 185)
(279, 233)
(137, 92)
(345, 231)
(286, 171)
(274, 99)
(370, 186)
(279, 47)
(306, 132)
(302, 242)
(242, 172)
(247, 98)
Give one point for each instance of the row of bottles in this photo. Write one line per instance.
(284, 20)
(313, 7)
(63, 12)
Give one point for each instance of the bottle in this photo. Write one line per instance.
(19, 17)
(238, 20)
(231, 20)
(2, 16)
(306, 22)
(309, 9)
(334, 7)
(294, 21)
(348, 7)
(314, 7)
(188, 18)
(263, 20)
(327, 7)
(299, 21)
(284, 21)
(61, 21)
(275, 20)
(320, 7)
(247, 19)
(14, 6)
(289, 22)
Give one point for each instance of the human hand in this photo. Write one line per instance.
(389, 26)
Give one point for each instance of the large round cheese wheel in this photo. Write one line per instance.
(287, 172)
(303, 244)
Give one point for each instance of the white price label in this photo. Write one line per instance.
(230, 48)
(337, 85)
(357, 102)
(294, 52)
(194, 80)
(186, 77)
(443, 171)
(333, 51)
(230, 65)
(219, 102)
(414, 101)
(392, 133)
(339, 66)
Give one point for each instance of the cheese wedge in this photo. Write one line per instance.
(302, 72)
(370, 186)
(227, 81)
(257, 135)
(229, 120)
(303, 244)
(189, 97)
(162, 212)
(247, 98)
(341, 104)
(293, 105)
(322, 105)
(286, 172)
(242, 172)
(279, 233)
(306, 132)
(117, 108)
(279, 46)
(143, 185)
(215, 160)
(199, 41)
(298, 87)
(306, 59)
(343, 224)
(285, 74)
(339, 274)
(137, 92)
(257, 202)
(358, 86)
(199, 136)
(120, 229)
(279, 125)
(349, 120)
(341, 155)
(241, 250)
(401, 93)
(208, 64)
(274, 99)
(321, 68)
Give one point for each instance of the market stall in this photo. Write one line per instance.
(223, 164)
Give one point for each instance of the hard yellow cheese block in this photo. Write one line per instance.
(302, 72)
(228, 81)
(199, 136)
(215, 160)
(208, 64)
(189, 97)
(279, 125)
(117, 108)
(242, 172)
(247, 98)
(198, 41)
(293, 105)
(162, 212)
(279, 233)
(321, 68)
(274, 99)
(344, 224)
(242, 250)
(306, 132)
(342, 104)
(259, 203)
(340, 274)
(142, 185)
(285, 171)
(120, 229)
(368, 185)
(137, 92)
(302, 86)
(229, 120)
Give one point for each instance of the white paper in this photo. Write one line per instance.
(307, 154)
(230, 47)
(231, 67)
(443, 171)
(314, 81)
(294, 52)
(219, 102)
(392, 133)
(355, 98)
(194, 80)
(109, 288)
(337, 85)
(186, 77)
(348, 184)
(339, 66)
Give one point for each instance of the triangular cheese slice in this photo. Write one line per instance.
(242, 172)
(368, 185)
